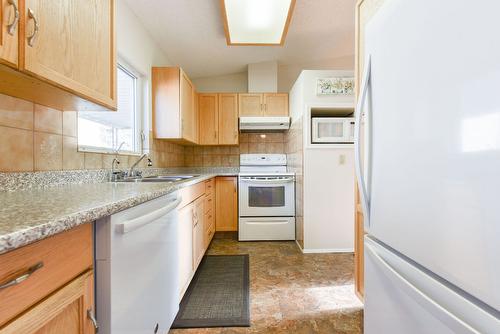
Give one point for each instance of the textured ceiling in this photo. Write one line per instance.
(191, 34)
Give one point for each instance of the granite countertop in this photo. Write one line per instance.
(33, 214)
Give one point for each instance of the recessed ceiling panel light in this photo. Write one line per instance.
(256, 22)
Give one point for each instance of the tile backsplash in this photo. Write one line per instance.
(228, 156)
(37, 138)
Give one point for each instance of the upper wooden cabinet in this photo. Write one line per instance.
(228, 119)
(71, 44)
(66, 58)
(174, 114)
(275, 104)
(267, 104)
(9, 19)
(218, 119)
(209, 119)
(250, 104)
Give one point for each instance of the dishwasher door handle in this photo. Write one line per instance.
(134, 224)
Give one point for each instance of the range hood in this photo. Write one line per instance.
(264, 123)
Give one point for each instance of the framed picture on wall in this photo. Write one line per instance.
(335, 86)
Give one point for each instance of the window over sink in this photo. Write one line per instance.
(105, 132)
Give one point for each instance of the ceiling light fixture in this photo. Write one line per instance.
(256, 22)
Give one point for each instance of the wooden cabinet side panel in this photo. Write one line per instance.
(226, 207)
(365, 9)
(209, 119)
(74, 47)
(189, 129)
(275, 104)
(228, 119)
(64, 256)
(8, 42)
(166, 102)
(250, 104)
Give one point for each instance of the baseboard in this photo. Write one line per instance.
(327, 250)
(298, 245)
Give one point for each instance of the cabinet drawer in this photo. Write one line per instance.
(209, 203)
(189, 194)
(209, 186)
(59, 258)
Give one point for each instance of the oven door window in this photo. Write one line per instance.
(266, 197)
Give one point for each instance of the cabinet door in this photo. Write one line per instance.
(226, 192)
(250, 104)
(188, 113)
(9, 19)
(71, 44)
(65, 311)
(228, 119)
(209, 119)
(275, 104)
(198, 232)
(185, 246)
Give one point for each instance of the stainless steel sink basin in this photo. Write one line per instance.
(159, 178)
(171, 177)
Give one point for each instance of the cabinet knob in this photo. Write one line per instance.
(11, 28)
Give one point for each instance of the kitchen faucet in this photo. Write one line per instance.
(116, 175)
(131, 172)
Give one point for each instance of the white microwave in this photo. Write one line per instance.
(332, 130)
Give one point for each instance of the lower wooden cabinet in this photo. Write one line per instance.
(195, 221)
(57, 293)
(226, 211)
(69, 310)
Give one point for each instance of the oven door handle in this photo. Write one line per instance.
(268, 181)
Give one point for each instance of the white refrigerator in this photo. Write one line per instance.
(430, 178)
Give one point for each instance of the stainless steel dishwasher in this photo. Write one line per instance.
(137, 279)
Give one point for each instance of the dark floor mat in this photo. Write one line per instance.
(219, 294)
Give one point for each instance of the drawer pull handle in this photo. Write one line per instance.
(92, 318)
(11, 28)
(31, 39)
(23, 277)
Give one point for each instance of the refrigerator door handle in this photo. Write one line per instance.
(363, 193)
(443, 302)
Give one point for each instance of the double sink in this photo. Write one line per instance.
(158, 178)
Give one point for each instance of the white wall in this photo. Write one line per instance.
(328, 173)
(230, 83)
(138, 49)
(263, 77)
(288, 73)
(329, 200)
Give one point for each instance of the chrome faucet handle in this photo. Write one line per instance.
(118, 175)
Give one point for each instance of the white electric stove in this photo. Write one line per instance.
(266, 198)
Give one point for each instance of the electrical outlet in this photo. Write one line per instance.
(342, 159)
